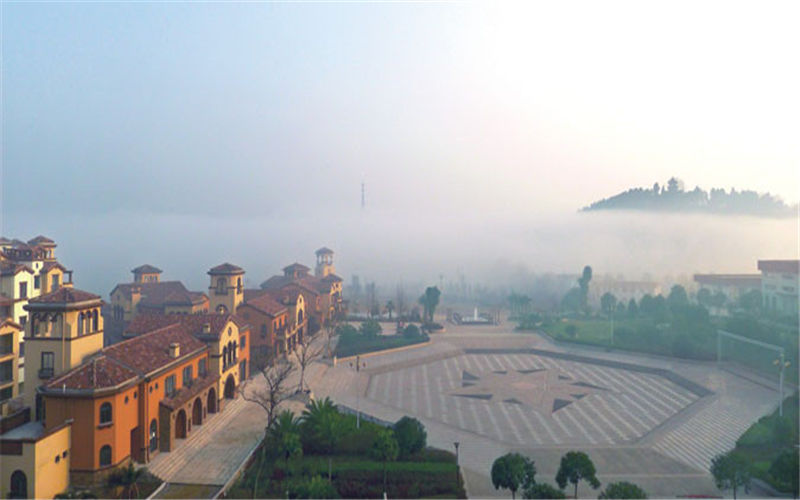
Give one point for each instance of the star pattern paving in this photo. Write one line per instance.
(544, 390)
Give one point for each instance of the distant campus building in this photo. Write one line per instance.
(732, 285)
(779, 284)
(183, 355)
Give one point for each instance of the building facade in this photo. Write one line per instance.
(779, 286)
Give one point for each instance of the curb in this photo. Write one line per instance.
(158, 490)
(384, 351)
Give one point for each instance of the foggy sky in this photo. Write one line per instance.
(191, 123)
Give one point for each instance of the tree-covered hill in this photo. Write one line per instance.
(673, 198)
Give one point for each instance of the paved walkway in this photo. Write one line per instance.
(642, 428)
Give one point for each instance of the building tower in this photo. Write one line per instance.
(226, 291)
(324, 262)
(146, 274)
(64, 329)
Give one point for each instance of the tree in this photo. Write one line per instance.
(283, 437)
(583, 283)
(623, 490)
(411, 435)
(323, 427)
(512, 471)
(751, 301)
(572, 300)
(316, 487)
(731, 470)
(575, 467)
(633, 309)
(390, 308)
(785, 469)
(400, 302)
(429, 301)
(677, 297)
(542, 490)
(371, 329)
(411, 331)
(704, 297)
(385, 449)
(308, 350)
(718, 300)
(269, 398)
(127, 479)
(608, 303)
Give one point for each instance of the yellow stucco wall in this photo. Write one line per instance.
(46, 477)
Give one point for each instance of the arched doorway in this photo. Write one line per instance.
(197, 412)
(19, 485)
(230, 388)
(212, 401)
(180, 425)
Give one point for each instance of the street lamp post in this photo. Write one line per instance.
(456, 443)
(358, 367)
(782, 364)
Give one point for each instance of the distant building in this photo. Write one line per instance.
(149, 295)
(779, 285)
(10, 333)
(322, 292)
(732, 285)
(28, 270)
(621, 289)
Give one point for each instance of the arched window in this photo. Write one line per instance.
(105, 455)
(95, 325)
(105, 413)
(81, 319)
(19, 485)
(153, 435)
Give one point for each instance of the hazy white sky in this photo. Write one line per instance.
(522, 106)
(256, 123)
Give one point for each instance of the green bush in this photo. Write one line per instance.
(411, 435)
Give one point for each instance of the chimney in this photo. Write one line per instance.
(206, 327)
(174, 350)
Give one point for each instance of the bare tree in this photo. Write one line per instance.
(269, 397)
(309, 349)
(274, 391)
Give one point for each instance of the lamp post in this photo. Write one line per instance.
(782, 364)
(358, 367)
(456, 443)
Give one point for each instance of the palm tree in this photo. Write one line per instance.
(127, 479)
(284, 436)
(324, 426)
(429, 300)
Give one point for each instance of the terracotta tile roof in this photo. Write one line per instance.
(251, 293)
(4, 240)
(184, 394)
(146, 269)
(64, 295)
(51, 264)
(162, 293)
(98, 373)
(309, 283)
(266, 304)
(226, 268)
(10, 322)
(332, 278)
(324, 251)
(191, 324)
(41, 241)
(149, 352)
(779, 266)
(296, 267)
(11, 269)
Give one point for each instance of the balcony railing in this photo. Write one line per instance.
(46, 373)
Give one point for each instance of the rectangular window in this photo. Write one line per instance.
(243, 341)
(187, 376)
(23, 320)
(47, 367)
(37, 282)
(55, 284)
(23, 290)
(201, 368)
(169, 385)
